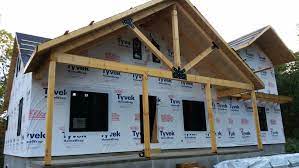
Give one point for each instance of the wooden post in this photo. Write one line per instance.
(146, 127)
(256, 120)
(175, 36)
(211, 117)
(50, 109)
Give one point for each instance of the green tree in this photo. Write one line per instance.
(6, 48)
(287, 77)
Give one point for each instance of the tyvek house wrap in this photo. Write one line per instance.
(233, 118)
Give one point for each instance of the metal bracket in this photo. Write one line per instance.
(141, 154)
(179, 73)
(129, 22)
(214, 45)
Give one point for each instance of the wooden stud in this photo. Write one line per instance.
(175, 36)
(256, 120)
(211, 117)
(50, 109)
(146, 123)
(111, 65)
(230, 92)
(151, 47)
(198, 58)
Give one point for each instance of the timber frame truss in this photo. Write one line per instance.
(175, 71)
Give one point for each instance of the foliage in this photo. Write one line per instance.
(287, 77)
(6, 48)
(292, 145)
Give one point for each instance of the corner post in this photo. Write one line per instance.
(256, 120)
(50, 109)
(175, 36)
(146, 129)
(211, 117)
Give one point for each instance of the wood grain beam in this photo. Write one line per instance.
(175, 37)
(256, 120)
(50, 109)
(268, 97)
(211, 117)
(151, 47)
(146, 123)
(230, 92)
(116, 66)
(198, 58)
(263, 69)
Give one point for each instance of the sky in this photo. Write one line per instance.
(231, 18)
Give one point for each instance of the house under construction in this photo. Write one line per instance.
(153, 86)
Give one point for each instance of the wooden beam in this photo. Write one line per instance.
(195, 24)
(92, 36)
(175, 36)
(264, 69)
(137, 13)
(50, 109)
(151, 47)
(230, 92)
(146, 123)
(111, 65)
(93, 32)
(207, 31)
(268, 97)
(209, 39)
(256, 120)
(198, 58)
(211, 117)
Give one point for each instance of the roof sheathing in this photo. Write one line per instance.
(27, 45)
(247, 39)
(268, 40)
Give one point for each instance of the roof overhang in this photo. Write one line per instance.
(269, 41)
(267, 97)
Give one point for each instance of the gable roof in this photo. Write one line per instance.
(43, 49)
(268, 40)
(27, 44)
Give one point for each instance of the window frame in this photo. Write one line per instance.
(20, 115)
(263, 118)
(92, 114)
(201, 116)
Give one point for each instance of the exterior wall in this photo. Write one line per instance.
(233, 118)
(257, 59)
(21, 88)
